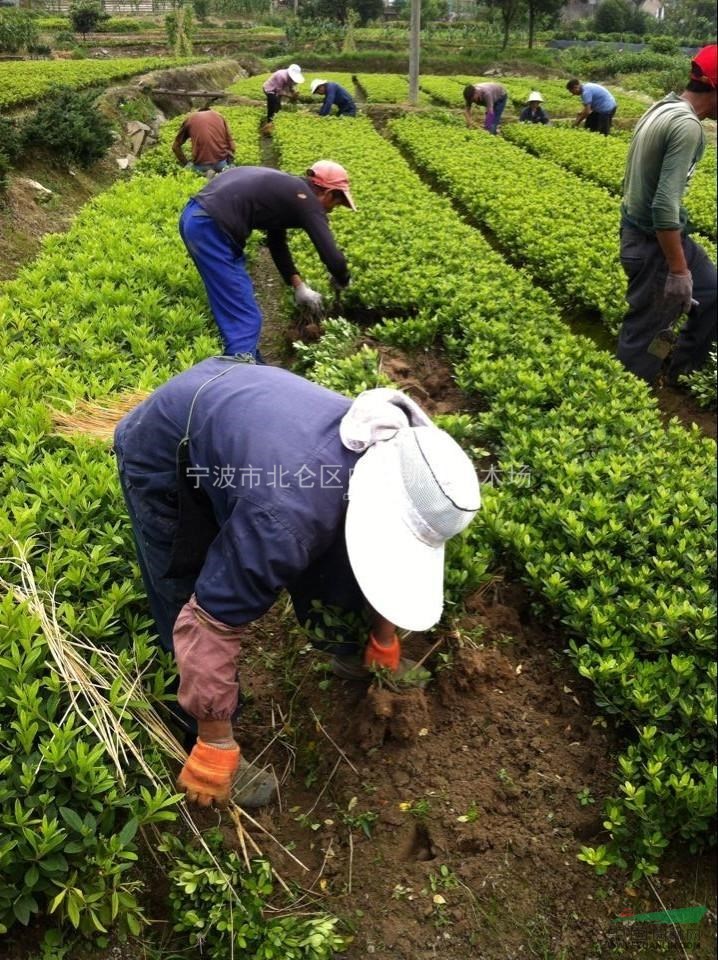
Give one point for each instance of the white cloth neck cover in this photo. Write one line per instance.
(378, 415)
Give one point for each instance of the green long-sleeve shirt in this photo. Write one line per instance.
(667, 144)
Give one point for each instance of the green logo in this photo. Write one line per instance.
(687, 915)
(679, 927)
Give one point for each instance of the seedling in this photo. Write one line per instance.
(471, 815)
(420, 809)
(584, 797)
(359, 821)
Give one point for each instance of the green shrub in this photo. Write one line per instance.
(122, 25)
(178, 27)
(64, 39)
(10, 139)
(663, 44)
(201, 9)
(69, 124)
(205, 911)
(85, 16)
(612, 16)
(17, 31)
(703, 383)
(4, 170)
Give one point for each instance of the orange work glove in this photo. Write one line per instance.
(378, 655)
(208, 773)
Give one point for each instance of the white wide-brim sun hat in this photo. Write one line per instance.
(534, 97)
(315, 84)
(295, 73)
(407, 496)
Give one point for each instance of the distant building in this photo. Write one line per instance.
(585, 9)
(654, 8)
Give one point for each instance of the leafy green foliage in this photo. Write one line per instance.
(85, 16)
(207, 914)
(573, 150)
(613, 16)
(70, 126)
(103, 309)
(615, 530)
(577, 262)
(179, 27)
(26, 80)
(703, 383)
(17, 31)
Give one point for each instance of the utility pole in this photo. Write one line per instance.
(414, 30)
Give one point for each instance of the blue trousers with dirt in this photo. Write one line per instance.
(223, 269)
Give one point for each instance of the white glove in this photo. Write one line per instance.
(304, 296)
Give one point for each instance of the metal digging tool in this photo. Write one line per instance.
(665, 340)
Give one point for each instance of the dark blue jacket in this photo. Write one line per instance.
(265, 455)
(526, 116)
(337, 95)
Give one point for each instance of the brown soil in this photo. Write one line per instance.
(24, 221)
(677, 403)
(468, 791)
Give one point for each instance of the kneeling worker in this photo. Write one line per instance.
(216, 224)
(334, 95)
(244, 480)
(212, 145)
(533, 112)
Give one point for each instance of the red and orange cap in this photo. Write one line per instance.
(332, 176)
(704, 66)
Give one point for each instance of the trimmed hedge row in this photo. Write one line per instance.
(575, 151)
(615, 533)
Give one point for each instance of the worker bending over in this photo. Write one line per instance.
(213, 148)
(334, 96)
(216, 223)
(242, 481)
(492, 96)
(599, 106)
(282, 83)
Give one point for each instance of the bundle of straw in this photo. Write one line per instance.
(92, 419)
(88, 672)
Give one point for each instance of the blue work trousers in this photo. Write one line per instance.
(166, 596)
(228, 285)
(499, 108)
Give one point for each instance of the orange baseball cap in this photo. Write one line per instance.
(332, 176)
(704, 66)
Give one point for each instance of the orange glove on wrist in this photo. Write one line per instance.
(379, 655)
(207, 774)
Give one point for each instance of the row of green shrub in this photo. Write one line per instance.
(615, 532)
(115, 304)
